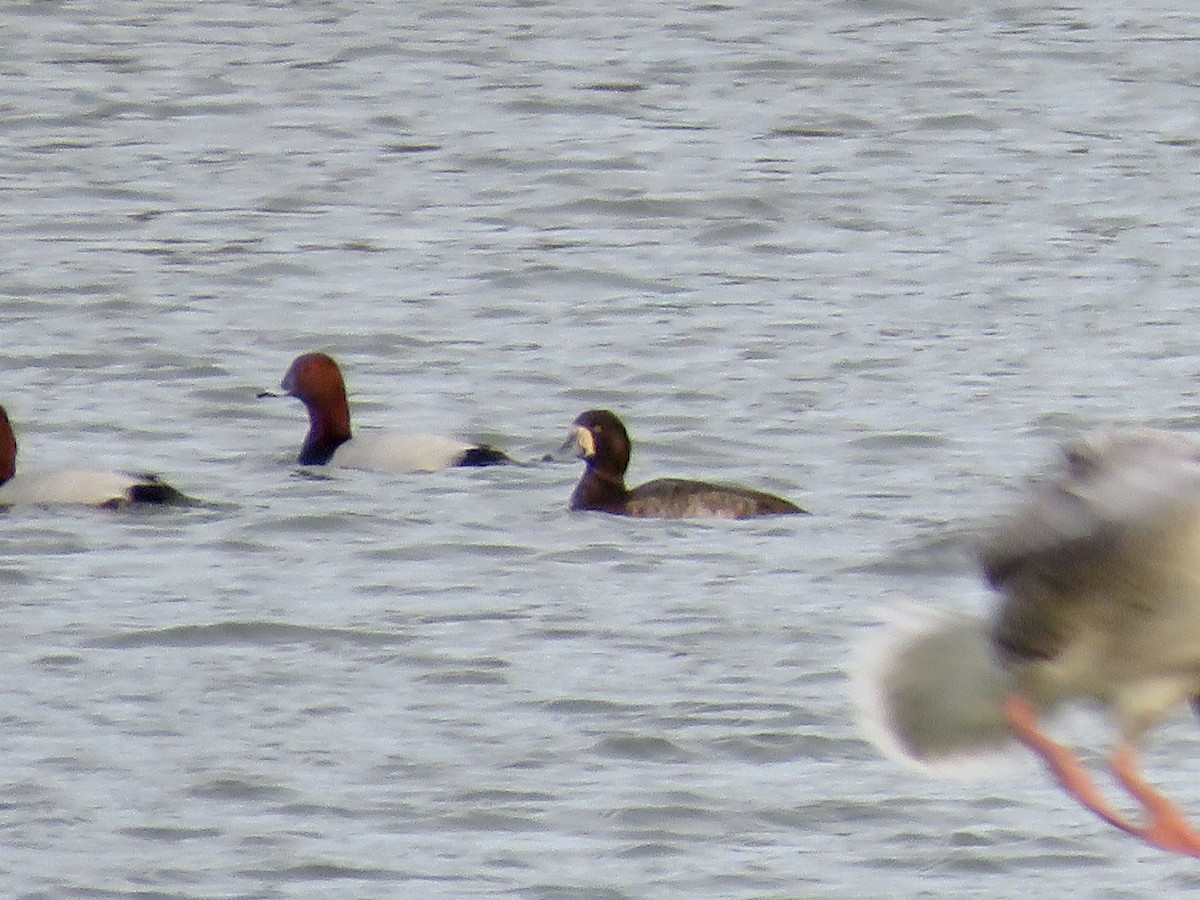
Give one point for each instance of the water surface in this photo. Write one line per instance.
(875, 257)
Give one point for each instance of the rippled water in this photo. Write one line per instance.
(871, 256)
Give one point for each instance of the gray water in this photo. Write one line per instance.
(874, 256)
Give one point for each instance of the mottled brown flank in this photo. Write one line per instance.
(602, 487)
(678, 498)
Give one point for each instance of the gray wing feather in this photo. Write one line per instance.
(1068, 547)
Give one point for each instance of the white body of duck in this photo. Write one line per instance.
(1099, 577)
(402, 452)
(89, 487)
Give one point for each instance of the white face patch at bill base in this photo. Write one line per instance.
(585, 443)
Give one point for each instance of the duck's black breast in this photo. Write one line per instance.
(679, 498)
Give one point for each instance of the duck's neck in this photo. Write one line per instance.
(599, 490)
(8, 463)
(328, 429)
(8, 449)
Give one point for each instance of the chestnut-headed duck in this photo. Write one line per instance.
(91, 487)
(599, 438)
(1097, 572)
(316, 381)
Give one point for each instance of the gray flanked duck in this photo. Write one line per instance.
(1098, 575)
(599, 438)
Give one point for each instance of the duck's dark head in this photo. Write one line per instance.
(599, 438)
(316, 381)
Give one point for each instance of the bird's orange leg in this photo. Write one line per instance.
(1167, 829)
(1068, 771)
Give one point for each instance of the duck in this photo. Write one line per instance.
(600, 439)
(315, 379)
(1096, 578)
(88, 487)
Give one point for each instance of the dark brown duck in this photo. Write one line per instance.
(599, 438)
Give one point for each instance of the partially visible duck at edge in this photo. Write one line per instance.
(90, 487)
(316, 381)
(599, 438)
